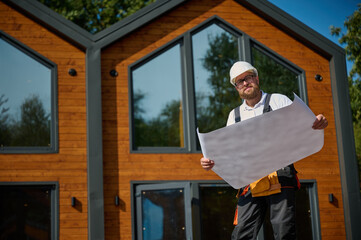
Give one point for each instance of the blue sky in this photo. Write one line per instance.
(20, 83)
(320, 14)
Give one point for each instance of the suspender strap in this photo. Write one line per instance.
(266, 108)
(237, 115)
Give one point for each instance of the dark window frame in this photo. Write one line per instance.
(314, 207)
(53, 148)
(136, 65)
(245, 43)
(54, 201)
(170, 185)
(301, 75)
(193, 213)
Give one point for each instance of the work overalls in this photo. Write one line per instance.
(251, 211)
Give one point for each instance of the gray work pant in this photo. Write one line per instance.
(252, 211)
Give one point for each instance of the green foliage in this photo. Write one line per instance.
(352, 42)
(33, 129)
(95, 15)
(357, 133)
(162, 131)
(355, 96)
(213, 106)
(273, 77)
(220, 56)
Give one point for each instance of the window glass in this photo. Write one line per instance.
(157, 101)
(163, 215)
(303, 216)
(214, 52)
(303, 210)
(162, 210)
(199, 73)
(25, 99)
(217, 208)
(273, 76)
(25, 212)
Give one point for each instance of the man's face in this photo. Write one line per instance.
(247, 85)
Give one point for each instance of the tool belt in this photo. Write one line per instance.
(272, 184)
(266, 186)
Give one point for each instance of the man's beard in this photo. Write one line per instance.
(254, 93)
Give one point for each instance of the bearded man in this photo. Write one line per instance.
(253, 200)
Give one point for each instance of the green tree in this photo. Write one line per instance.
(33, 129)
(95, 15)
(221, 53)
(352, 44)
(161, 131)
(274, 78)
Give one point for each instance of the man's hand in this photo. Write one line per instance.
(320, 122)
(207, 164)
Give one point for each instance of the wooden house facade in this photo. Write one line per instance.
(120, 157)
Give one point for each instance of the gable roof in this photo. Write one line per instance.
(93, 44)
(53, 21)
(80, 37)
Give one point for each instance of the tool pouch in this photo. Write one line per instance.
(266, 186)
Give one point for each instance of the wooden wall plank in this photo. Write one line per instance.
(69, 166)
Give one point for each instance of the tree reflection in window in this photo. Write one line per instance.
(157, 113)
(162, 211)
(273, 76)
(25, 99)
(214, 52)
(157, 101)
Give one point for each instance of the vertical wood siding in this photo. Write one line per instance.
(69, 166)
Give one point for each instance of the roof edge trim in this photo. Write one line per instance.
(293, 26)
(53, 21)
(135, 21)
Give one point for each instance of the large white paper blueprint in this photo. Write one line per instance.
(249, 150)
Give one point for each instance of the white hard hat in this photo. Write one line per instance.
(240, 67)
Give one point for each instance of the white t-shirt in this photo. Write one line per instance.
(277, 101)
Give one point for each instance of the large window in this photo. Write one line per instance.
(28, 211)
(214, 51)
(185, 85)
(162, 211)
(276, 76)
(205, 210)
(157, 101)
(27, 98)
